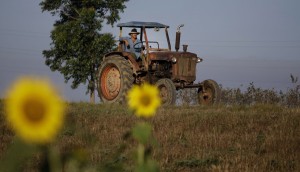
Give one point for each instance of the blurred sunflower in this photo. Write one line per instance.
(34, 110)
(144, 100)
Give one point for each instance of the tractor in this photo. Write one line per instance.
(168, 70)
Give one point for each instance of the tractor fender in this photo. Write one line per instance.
(127, 56)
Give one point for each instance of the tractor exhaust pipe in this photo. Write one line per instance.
(178, 34)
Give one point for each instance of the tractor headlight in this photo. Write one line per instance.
(173, 59)
(199, 60)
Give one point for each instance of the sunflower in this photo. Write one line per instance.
(34, 110)
(144, 100)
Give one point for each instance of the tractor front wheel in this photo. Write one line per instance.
(167, 91)
(209, 93)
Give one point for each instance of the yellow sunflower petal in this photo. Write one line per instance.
(144, 100)
(132, 95)
(34, 110)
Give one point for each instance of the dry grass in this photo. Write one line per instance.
(190, 138)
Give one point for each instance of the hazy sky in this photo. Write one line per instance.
(241, 41)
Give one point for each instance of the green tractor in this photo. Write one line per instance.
(168, 70)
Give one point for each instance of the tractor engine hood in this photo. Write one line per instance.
(183, 64)
(169, 56)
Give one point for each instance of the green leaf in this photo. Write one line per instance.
(16, 155)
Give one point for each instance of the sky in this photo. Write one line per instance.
(241, 41)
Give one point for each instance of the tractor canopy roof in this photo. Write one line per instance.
(140, 24)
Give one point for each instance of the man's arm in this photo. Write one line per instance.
(125, 39)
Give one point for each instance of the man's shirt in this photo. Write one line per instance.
(131, 48)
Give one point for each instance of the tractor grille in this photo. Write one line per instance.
(185, 68)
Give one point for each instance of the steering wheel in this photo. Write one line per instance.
(138, 46)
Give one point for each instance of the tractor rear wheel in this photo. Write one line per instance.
(115, 78)
(209, 93)
(167, 91)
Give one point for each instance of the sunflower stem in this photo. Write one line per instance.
(140, 154)
(54, 159)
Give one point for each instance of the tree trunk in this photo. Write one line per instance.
(92, 87)
(92, 96)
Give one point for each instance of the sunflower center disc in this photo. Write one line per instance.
(145, 100)
(34, 110)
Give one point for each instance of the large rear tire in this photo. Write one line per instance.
(115, 78)
(209, 93)
(167, 91)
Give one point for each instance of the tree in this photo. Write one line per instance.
(77, 45)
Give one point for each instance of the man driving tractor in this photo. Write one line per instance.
(132, 43)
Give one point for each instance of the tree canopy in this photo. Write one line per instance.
(77, 44)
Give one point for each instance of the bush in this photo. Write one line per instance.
(252, 95)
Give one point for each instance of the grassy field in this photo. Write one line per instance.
(189, 138)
